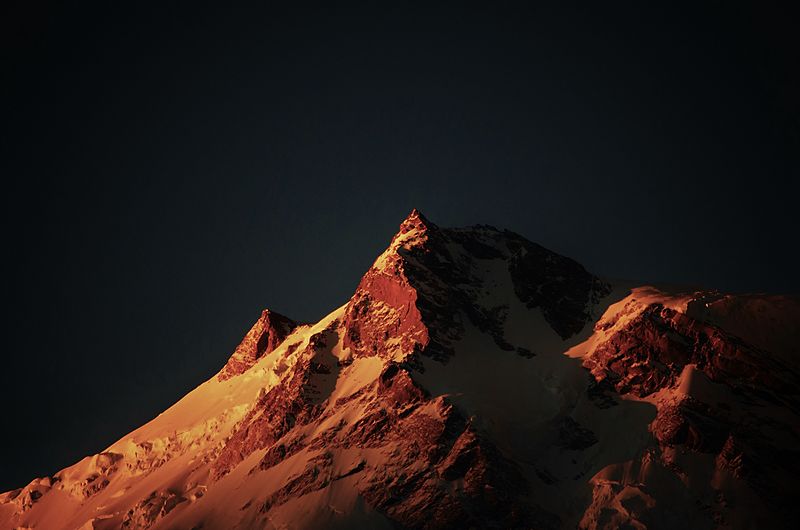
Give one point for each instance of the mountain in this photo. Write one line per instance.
(474, 380)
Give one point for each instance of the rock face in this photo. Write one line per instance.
(431, 282)
(719, 400)
(474, 380)
(266, 334)
(651, 351)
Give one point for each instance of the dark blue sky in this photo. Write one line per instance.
(171, 171)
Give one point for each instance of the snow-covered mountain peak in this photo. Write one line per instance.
(415, 220)
(432, 282)
(474, 379)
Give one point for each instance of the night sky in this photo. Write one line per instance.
(169, 172)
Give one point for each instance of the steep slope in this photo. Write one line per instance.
(474, 379)
(269, 331)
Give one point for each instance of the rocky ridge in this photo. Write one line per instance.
(474, 379)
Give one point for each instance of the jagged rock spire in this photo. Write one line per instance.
(266, 334)
(415, 221)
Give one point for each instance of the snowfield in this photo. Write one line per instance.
(475, 379)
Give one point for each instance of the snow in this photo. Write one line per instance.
(167, 452)
(624, 304)
(518, 403)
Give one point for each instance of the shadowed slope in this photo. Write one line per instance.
(474, 379)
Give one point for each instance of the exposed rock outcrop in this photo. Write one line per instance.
(716, 395)
(267, 333)
(474, 380)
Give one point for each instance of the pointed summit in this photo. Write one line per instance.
(475, 379)
(266, 334)
(416, 221)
